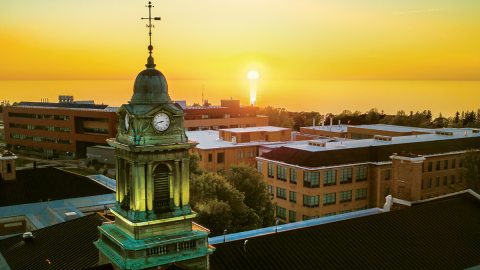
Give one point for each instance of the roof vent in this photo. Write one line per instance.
(445, 133)
(317, 143)
(234, 139)
(475, 130)
(27, 237)
(382, 138)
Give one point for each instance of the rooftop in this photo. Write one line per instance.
(371, 150)
(209, 139)
(332, 128)
(440, 234)
(255, 129)
(47, 184)
(71, 106)
(344, 144)
(67, 245)
(434, 234)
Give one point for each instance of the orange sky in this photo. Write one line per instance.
(218, 39)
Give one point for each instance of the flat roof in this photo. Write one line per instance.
(255, 129)
(332, 128)
(47, 184)
(346, 144)
(209, 139)
(68, 106)
(394, 128)
(342, 153)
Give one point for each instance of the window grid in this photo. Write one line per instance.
(329, 178)
(293, 176)
(329, 198)
(361, 194)
(281, 193)
(311, 179)
(293, 196)
(345, 196)
(270, 171)
(311, 201)
(345, 175)
(361, 174)
(281, 173)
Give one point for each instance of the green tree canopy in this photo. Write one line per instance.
(250, 182)
(219, 204)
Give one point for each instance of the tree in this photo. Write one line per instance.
(219, 204)
(278, 117)
(472, 170)
(250, 182)
(193, 165)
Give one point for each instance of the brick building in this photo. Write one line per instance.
(315, 179)
(218, 150)
(63, 129)
(230, 114)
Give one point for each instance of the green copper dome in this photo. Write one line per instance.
(150, 86)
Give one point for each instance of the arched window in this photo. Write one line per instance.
(161, 187)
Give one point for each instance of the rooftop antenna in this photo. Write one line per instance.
(203, 90)
(150, 25)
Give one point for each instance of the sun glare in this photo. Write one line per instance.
(253, 75)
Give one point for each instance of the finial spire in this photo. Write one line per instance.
(150, 25)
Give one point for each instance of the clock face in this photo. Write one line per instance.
(127, 122)
(161, 122)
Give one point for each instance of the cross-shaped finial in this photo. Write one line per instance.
(150, 25)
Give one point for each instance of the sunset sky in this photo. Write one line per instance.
(218, 39)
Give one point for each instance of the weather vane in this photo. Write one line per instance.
(150, 25)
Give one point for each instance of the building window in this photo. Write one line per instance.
(329, 178)
(293, 176)
(460, 164)
(345, 196)
(220, 157)
(387, 175)
(345, 175)
(360, 194)
(454, 163)
(361, 174)
(437, 181)
(210, 157)
(293, 196)
(311, 179)
(437, 165)
(281, 193)
(259, 166)
(281, 173)
(270, 190)
(445, 164)
(9, 168)
(329, 198)
(429, 183)
(452, 179)
(429, 166)
(281, 212)
(270, 170)
(292, 216)
(445, 180)
(311, 201)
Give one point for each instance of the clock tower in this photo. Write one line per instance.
(153, 220)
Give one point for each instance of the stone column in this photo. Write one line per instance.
(149, 186)
(176, 185)
(120, 174)
(139, 186)
(185, 182)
